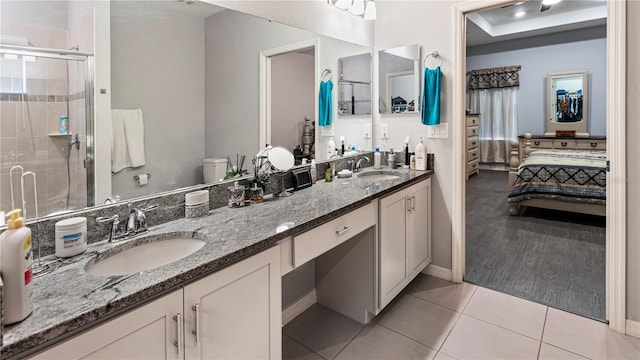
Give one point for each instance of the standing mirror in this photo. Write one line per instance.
(354, 85)
(567, 104)
(399, 80)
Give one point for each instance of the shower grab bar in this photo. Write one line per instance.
(13, 202)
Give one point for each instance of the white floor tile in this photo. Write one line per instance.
(378, 342)
(510, 312)
(475, 339)
(444, 293)
(549, 352)
(420, 320)
(588, 337)
(443, 356)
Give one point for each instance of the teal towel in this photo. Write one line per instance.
(431, 96)
(326, 114)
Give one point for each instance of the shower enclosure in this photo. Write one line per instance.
(38, 89)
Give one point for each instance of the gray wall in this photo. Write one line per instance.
(233, 45)
(633, 167)
(292, 97)
(168, 50)
(537, 62)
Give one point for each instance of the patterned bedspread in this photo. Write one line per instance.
(567, 175)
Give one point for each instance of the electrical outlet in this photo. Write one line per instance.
(367, 131)
(384, 131)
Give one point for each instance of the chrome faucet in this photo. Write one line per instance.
(358, 163)
(137, 222)
(114, 235)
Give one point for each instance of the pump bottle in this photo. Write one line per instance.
(17, 268)
(421, 156)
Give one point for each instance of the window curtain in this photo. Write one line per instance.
(494, 95)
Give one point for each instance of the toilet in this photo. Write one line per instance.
(214, 169)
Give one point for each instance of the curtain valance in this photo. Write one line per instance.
(499, 77)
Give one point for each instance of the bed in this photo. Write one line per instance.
(559, 179)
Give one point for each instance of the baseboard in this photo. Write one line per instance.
(438, 271)
(633, 328)
(298, 307)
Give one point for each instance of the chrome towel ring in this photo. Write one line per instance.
(435, 55)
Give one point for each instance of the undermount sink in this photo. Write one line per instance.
(379, 175)
(146, 256)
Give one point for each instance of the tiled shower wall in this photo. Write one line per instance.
(26, 122)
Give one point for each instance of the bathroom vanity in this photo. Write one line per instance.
(368, 238)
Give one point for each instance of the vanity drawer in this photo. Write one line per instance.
(472, 142)
(473, 131)
(541, 144)
(564, 144)
(592, 144)
(473, 154)
(473, 121)
(473, 165)
(319, 240)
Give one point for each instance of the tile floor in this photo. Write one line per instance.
(436, 319)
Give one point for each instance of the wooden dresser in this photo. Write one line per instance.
(546, 142)
(473, 150)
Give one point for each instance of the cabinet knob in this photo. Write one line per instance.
(564, 143)
(473, 143)
(594, 144)
(474, 131)
(537, 143)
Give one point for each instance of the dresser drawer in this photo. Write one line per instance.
(472, 142)
(540, 144)
(564, 144)
(472, 131)
(591, 144)
(473, 154)
(473, 121)
(473, 165)
(323, 238)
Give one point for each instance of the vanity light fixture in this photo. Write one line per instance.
(364, 8)
(519, 14)
(370, 10)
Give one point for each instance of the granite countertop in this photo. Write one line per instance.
(68, 299)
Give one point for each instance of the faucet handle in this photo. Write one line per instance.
(104, 219)
(152, 207)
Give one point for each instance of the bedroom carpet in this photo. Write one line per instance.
(551, 257)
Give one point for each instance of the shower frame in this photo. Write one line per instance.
(89, 68)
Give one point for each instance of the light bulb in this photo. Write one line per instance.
(357, 8)
(343, 4)
(370, 10)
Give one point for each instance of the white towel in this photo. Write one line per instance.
(127, 146)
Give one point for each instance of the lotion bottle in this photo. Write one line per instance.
(421, 156)
(17, 269)
(377, 159)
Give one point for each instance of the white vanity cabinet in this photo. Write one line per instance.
(233, 313)
(404, 238)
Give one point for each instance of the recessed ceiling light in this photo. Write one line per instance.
(550, 2)
(519, 14)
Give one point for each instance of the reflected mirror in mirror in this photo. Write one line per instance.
(399, 80)
(567, 102)
(178, 62)
(354, 85)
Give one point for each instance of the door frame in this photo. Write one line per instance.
(265, 83)
(616, 148)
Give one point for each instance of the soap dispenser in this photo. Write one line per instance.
(421, 156)
(331, 148)
(17, 269)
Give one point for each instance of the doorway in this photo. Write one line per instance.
(615, 114)
(288, 97)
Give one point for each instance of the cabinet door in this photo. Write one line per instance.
(238, 312)
(148, 332)
(419, 228)
(393, 267)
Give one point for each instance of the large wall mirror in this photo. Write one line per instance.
(567, 99)
(354, 85)
(399, 80)
(191, 67)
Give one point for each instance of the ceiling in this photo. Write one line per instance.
(501, 24)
